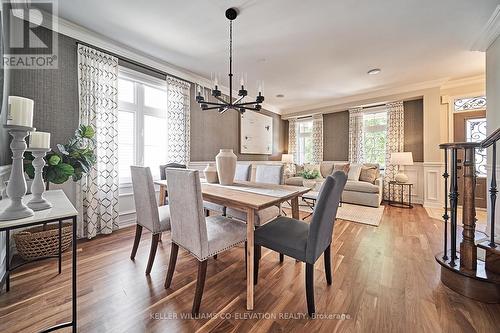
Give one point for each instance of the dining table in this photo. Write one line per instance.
(249, 197)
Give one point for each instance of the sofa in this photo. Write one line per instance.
(356, 191)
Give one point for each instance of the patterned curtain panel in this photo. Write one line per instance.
(356, 140)
(97, 193)
(395, 142)
(317, 139)
(292, 139)
(178, 95)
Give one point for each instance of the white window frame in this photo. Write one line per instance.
(301, 153)
(372, 111)
(139, 109)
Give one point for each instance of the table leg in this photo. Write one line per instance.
(73, 277)
(60, 245)
(162, 198)
(295, 208)
(250, 249)
(7, 260)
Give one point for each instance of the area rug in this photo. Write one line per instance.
(353, 213)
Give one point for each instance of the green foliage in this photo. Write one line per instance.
(309, 174)
(74, 159)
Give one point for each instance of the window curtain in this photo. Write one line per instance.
(292, 139)
(317, 139)
(178, 97)
(356, 150)
(97, 192)
(395, 142)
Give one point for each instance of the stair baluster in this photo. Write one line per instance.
(493, 194)
(445, 215)
(453, 206)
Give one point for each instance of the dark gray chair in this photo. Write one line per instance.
(303, 241)
(164, 167)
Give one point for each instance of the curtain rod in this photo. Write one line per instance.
(133, 62)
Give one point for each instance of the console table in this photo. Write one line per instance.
(62, 209)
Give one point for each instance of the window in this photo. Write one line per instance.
(142, 123)
(470, 103)
(304, 141)
(375, 137)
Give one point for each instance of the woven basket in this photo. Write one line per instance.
(42, 241)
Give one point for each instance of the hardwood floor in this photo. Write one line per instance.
(385, 279)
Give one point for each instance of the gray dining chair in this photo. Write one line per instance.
(269, 174)
(149, 215)
(201, 236)
(243, 172)
(303, 241)
(209, 206)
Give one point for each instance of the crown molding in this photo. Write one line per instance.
(470, 80)
(489, 33)
(380, 92)
(88, 36)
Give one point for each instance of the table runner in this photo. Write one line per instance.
(277, 193)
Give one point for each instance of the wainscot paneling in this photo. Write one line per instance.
(433, 184)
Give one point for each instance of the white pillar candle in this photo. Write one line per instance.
(40, 140)
(20, 111)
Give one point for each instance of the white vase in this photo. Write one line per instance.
(226, 166)
(211, 173)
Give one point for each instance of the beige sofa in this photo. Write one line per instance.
(355, 191)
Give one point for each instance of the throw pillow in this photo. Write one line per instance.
(326, 168)
(354, 171)
(341, 167)
(368, 174)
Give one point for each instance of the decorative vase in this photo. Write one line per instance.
(211, 173)
(226, 166)
(311, 183)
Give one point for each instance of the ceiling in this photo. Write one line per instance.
(310, 51)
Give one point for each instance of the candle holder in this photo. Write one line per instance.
(38, 202)
(16, 189)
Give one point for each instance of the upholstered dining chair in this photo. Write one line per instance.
(302, 241)
(149, 215)
(243, 172)
(270, 174)
(209, 206)
(202, 236)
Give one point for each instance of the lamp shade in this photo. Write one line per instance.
(287, 158)
(403, 158)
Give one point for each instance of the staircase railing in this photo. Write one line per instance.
(468, 248)
(491, 141)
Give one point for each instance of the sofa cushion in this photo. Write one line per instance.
(354, 171)
(358, 186)
(326, 169)
(295, 181)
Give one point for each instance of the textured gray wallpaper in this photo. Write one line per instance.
(211, 131)
(55, 92)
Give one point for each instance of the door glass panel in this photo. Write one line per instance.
(475, 131)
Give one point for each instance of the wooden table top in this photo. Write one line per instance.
(242, 193)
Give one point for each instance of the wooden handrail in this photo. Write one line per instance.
(460, 145)
(493, 137)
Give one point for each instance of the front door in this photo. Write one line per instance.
(471, 127)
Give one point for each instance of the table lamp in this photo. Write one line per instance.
(402, 158)
(287, 160)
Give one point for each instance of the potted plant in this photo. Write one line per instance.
(74, 159)
(309, 177)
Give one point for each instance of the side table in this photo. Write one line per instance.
(392, 191)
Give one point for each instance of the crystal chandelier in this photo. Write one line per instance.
(238, 104)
